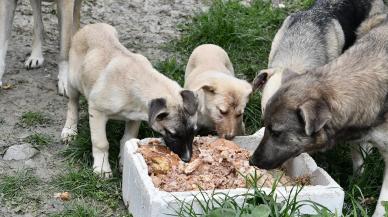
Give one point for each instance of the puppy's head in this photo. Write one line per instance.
(224, 102)
(176, 120)
(293, 125)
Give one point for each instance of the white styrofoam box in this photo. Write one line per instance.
(143, 199)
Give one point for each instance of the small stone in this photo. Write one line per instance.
(20, 152)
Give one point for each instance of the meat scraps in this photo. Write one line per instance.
(216, 164)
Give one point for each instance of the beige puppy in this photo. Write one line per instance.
(122, 85)
(222, 97)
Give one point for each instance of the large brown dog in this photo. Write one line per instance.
(345, 100)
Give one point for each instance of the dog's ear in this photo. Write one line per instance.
(157, 110)
(315, 114)
(288, 74)
(262, 78)
(190, 101)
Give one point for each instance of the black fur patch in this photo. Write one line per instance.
(182, 140)
(349, 13)
(156, 105)
(190, 102)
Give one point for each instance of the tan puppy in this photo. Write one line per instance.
(122, 85)
(222, 97)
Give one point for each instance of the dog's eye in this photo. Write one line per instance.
(223, 112)
(161, 116)
(238, 115)
(274, 133)
(169, 132)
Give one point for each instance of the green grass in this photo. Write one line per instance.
(83, 183)
(255, 203)
(14, 188)
(39, 140)
(30, 119)
(80, 208)
(80, 180)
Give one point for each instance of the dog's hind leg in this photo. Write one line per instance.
(131, 131)
(36, 58)
(97, 121)
(7, 11)
(65, 17)
(69, 131)
(383, 198)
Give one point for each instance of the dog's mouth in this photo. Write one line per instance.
(180, 145)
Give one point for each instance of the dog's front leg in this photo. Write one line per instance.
(65, 17)
(97, 121)
(7, 11)
(36, 58)
(380, 210)
(131, 131)
(69, 131)
(77, 15)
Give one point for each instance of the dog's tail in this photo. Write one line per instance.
(370, 23)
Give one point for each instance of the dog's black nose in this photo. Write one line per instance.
(229, 137)
(185, 159)
(186, 156)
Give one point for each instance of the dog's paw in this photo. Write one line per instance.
(34, 61)
(68, 134)
(103, 172)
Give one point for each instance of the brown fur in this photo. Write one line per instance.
(222, 97)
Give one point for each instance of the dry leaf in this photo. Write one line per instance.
(64, 196)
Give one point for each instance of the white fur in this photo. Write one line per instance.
(62, 77)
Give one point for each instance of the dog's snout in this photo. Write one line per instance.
(229, 136)
(186, 157)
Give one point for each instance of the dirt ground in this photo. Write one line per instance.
(143, 26)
